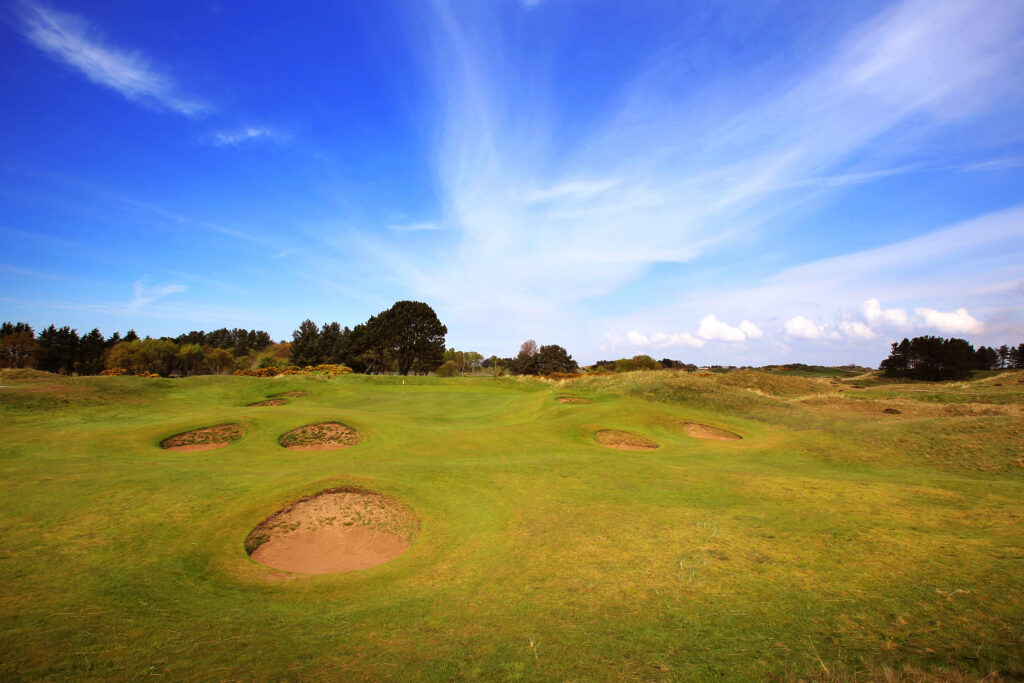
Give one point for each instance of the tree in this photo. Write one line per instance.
(219, 360)
(305, 348)
(1017, 356)
(930, 358)
(447, 369)
(122, 355)
(334, 343)
(526, 361)
(91, 348)
(553, 358)
(641, 362)
(17, 345)
(157, 356)
(416, 334)
(1004, 356)
(986, 358)
(57, 349)
(190, 358)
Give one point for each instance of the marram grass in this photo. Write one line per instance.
(834, 542)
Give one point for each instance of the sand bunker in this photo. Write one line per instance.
(573, 400)
(700, 431)
(321, 436)
(269, 402)
(613, 438)
(203, 439)
(337, 530)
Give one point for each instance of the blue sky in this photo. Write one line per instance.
(733, 182)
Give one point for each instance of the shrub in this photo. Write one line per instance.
(448, 369)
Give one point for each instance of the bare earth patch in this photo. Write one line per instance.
(290, 394)
(613, 438)
(269, 402)
(321, 436)
(204, 439)
(700, 431)
(337, 530)
(573, 400)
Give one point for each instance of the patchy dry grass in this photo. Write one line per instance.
(834, 542)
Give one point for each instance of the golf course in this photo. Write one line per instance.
(628, 526)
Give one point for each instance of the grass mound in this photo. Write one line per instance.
(337, 530)
(320, 436)
(269, 403)
(702, 431)
(626, 441)
(573, 400)
(204, 439)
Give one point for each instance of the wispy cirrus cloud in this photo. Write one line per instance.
(540, 228)
(145, 295)
(71, 40)
(237, 136)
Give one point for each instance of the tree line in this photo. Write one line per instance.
(408, 337)
(63, 350)
(935, 358)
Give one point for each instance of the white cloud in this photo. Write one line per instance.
(713, 328)
(954, 322)
(856, 329)
(70, 39)
(574, 188)
(751, 330)
(876, 315)
(145, 295)
(804, 328)
(246, 134)
(540, 221)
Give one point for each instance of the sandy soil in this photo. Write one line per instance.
(573, 400)
(700, 431)
(613, 438)
(270, 402)
(320, 437)
(335, 531)
(204, 439)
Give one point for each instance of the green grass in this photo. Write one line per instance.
(833, 541)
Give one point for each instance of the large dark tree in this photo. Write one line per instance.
(525, 362)
(90, 353)
(1017, 356)
(554, 358)
(985, 358)
(57, 349)
(415, 336)
(305, 348)
(930, 358)
(334, 343)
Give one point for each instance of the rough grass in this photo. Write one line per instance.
(832, 543)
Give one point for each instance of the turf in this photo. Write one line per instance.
(832, 542)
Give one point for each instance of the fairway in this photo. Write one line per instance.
(833, 540)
